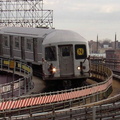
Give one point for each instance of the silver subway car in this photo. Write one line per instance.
(53, 54)
(65, 55)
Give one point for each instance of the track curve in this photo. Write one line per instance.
(63, 97)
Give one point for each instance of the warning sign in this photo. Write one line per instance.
(80, 51)
(12, 64)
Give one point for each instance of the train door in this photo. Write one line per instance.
(11, 46)
(1, 48)
(35, 49)
(66, 60)
(23, 48)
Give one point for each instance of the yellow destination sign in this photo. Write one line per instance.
(80, 51)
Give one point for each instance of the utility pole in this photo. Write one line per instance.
(115, 40)
(97, 43)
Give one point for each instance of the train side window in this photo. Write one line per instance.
(80, 51)
(50, 53)
(6, 41)
(29, 43)
(17, 44)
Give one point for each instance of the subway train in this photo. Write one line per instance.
(53, 54)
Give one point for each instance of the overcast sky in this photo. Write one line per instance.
(87, 17)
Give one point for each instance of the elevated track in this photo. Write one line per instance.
(35, 105)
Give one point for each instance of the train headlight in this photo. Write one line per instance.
(78, 67)
(54, 70)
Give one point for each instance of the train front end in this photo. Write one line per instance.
(65, 56)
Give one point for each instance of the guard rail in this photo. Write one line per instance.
(20, 86)
(61, 99)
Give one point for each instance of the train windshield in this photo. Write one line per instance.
(80, 51)
(50, 53)
(65, 51)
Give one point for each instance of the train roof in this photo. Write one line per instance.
(63, 36)
(49, 35)
(26, 31)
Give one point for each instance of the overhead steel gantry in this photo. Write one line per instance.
(25, 13)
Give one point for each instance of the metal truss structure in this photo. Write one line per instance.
(25, 13)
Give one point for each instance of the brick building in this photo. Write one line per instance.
(113, 59)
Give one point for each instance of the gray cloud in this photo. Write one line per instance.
(87, 17)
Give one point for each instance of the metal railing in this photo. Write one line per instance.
(113, 63)
(15, 87)
(95, 93)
